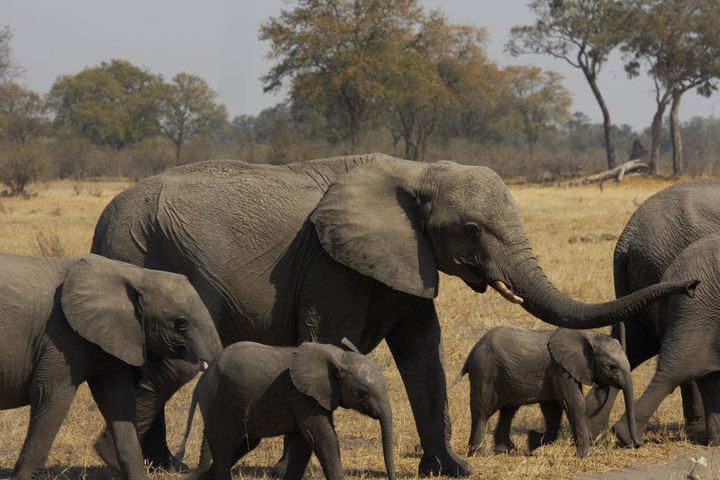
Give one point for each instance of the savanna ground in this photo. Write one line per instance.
(573, 231)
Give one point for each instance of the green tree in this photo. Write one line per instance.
(335, 54)
(22, 114)
(582, 33)
(9, 70)
(187, 107)
(112, 104)
(541, 101)
(679, 43)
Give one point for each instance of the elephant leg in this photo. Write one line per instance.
(569, 394)
(660, 387)
(483, 405)
(49, 404)
(113, 395)
(552, 413)
(600, 400)
(160, 380)
(417, 349)
(503, 442)
(709, 389)
(299, 452)
(694, 412)
(205, 463)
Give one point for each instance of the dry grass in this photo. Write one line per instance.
(572, 230)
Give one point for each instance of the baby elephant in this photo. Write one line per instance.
(252, 391)
(67, 320)
(513, 366)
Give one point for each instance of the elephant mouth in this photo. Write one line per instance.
(480, 285)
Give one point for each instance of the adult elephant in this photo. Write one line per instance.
(341, 247)
(662, 227)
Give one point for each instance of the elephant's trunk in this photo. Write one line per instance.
(210, 345)
(386, 428)
(627, 389)
(541, 298)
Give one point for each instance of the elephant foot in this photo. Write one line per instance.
(622, 433)
(312, 470)
(476, 451)
(505, 447)
(446, 463)
(583, 451)
(538, 439)
(105, 449)
(696, 433)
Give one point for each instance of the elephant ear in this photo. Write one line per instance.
(101, 301)
(314, 371)
(369, 222)
(573, 351)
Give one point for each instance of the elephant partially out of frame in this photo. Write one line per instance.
(65, 321)
(662, 227)
(340, 247)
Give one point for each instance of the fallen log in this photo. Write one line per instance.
(617, 174)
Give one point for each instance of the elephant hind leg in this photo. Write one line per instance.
(660, 387)
(482, 407)
(48, 406)
(694, 412)
(503, 442)
(709, 387)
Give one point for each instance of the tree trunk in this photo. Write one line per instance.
(178, 147)
(607, 124)
(656, 131)
(678, 160)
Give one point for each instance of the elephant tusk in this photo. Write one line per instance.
(203, 366)
(503, 290)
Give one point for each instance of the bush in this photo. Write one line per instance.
(21, 166)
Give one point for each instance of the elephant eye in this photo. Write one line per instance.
(472, 230)
(181, 324)
(362, 393)
(613, 367)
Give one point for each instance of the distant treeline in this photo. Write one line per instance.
(378, 75)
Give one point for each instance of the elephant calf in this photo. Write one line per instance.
(67, 320)
(513, 366)
(252, 391)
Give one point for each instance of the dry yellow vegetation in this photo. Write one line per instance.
(573, 232)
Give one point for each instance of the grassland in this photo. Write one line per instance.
(573, 232)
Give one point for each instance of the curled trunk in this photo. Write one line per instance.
(543, 300)
(386, 427)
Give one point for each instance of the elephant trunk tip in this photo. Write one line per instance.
(690, 289)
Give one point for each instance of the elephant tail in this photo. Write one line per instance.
(193, 404)
(465, 369)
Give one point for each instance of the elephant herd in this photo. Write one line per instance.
(291, 260)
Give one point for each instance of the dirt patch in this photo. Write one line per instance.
(682, 463)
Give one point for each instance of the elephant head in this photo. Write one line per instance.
(400, 222)
(348, 379)
(596, 358)
(130, 311)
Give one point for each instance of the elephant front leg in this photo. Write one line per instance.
(319, 433)
(114, 394)
(160, 380)
(417, 349)
(48, 406)
(569, 393)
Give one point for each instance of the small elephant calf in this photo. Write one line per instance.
(513, 366)
(64, 321)
(252, 391)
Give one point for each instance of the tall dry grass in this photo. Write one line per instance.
(573, 232)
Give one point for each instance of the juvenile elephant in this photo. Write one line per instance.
(690, 337)
(513, 366)
(69, 320)
(253, 391)
(662, 227)
(332, 248)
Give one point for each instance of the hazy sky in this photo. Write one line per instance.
(217, 39)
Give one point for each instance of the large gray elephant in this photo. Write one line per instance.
(662, 227)
(253, 391)
(65, 321)
(690, 334)
(341, 247)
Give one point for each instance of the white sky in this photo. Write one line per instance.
(217, 39)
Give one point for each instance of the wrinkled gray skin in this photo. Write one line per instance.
(324, 249)
(513, 366)
(253, 391)
(662, 227)
(70, 320)
(689, 331)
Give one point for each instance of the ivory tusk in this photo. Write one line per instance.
(508, 295)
